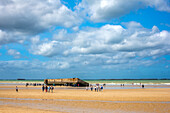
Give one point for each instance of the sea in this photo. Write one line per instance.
(93, 81)
(107, 83)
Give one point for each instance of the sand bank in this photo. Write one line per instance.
(79, 100)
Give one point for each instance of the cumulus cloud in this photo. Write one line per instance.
(14, 53)
(21, 19)
(36, 64)
(46, 47)
(33, 17)
(6, 37)
(97, 41)
(161, 5)
(107, 45)
(103, 10)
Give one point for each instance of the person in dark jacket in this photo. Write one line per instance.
(16, 89)
(43, 88)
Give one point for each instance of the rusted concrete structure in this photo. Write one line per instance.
(66, 82)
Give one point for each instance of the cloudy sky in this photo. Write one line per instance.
(84, 38)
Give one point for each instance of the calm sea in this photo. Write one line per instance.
(128, 81)
(100, 81)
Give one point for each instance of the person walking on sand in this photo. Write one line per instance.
(143, 85)
(46, 88)
(95, 88)
(86, 88)
(16, 89)
(43, 88)
(52, 89)
(49, 89)
(101, 88)
(91, 88)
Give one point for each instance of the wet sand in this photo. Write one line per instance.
(150, 100)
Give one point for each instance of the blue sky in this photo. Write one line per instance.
(89, 39)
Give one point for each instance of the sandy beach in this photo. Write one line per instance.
(66, 99)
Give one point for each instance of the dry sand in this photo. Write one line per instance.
(31, 100)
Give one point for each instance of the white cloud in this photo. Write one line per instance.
(21, 19)
(161, 5)
(6, 37)
(107, 45)
(36, 64)
(56, 65)
(103, 10)
(34, 16)
(35, 40)
(14, 53)
(47, 48)
(61, 35)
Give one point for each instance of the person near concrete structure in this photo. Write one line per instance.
(101, 88)
(49, 88)
(91, 88)
(97, 88)
(52, 88)
(87, 88)
(43, 88)
(46, 88)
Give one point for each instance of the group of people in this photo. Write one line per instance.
(96, 88)
(47, 88)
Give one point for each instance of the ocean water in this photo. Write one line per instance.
(129, 81)
(92, 81)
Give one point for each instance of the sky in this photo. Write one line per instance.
(88, 39)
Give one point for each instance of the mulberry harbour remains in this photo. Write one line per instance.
(66, 82)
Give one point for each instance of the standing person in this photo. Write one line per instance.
(101, 88)
(26, 84)
(95, 88)
(91, 88)
(52, 89)
(16, 89)
(43, 88)
(46, 88)
(143, 86)
(86, 88)
(49, 89)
